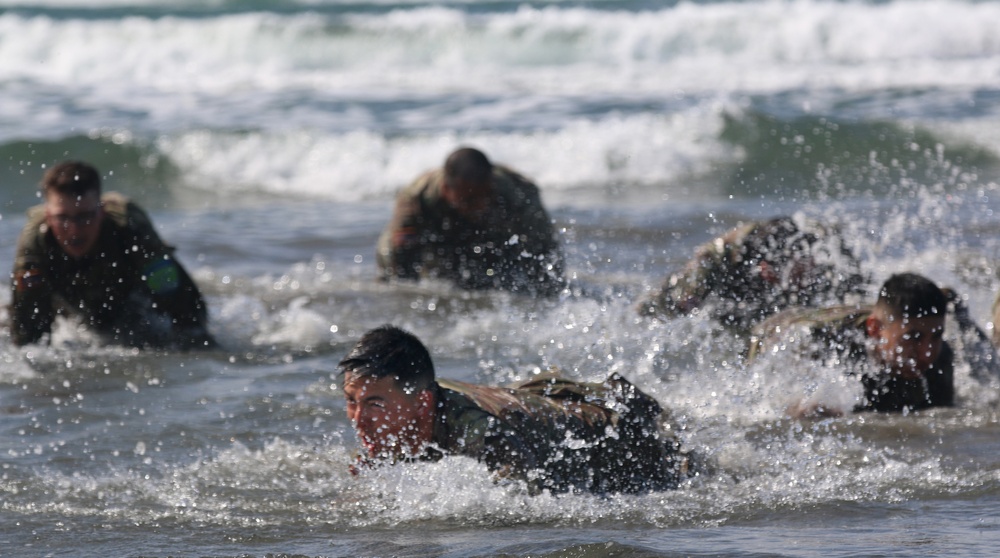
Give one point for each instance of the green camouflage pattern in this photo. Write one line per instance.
(131, 278)
(561, 435)
(836, 336)
(513, 247)
(703, 274)
(840, 328)
(996, 321)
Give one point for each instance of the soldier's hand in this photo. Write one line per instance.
(951, 295)
(958, 308)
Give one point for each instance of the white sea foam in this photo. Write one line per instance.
(350, 106)
(758, 46)
(93, 4)
(642, 149)
(245, 487)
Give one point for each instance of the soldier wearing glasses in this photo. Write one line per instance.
(98, 257)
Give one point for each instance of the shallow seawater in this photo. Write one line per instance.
(245, 449)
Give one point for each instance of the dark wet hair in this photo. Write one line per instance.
(71, 177)
(390, 351)
(468, 164)
(913, 296)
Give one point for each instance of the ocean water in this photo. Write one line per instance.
(267, 139)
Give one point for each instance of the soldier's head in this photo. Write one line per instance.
(468, 181)
(779, 251)
(907, 324)
(73, 212)
(778, 256)
(388, 381)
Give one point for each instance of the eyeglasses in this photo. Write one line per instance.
(80, 219)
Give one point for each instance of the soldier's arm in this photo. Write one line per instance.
(171, 288)
(489, 440)
(399, 246)
(31, 312)
(685, 291)
(542, 242)
(977, 347)
(402, 243)
(31, 309)
(545, 247)
(941, 379)
(175, 292)
(996, 320)
(509, 457)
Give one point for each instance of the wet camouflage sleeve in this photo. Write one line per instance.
(31, 289)
(710, 267)
(973, 346)
(996, 321)
(532, 256)
(399, 251)
(172, 290)
(465, 428)
(562, 435)
(839, 326)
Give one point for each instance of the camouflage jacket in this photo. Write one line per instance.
(996, 320)
(562, 435)
(836, 336)
(130, 278)
(724, 275)
(513, 247)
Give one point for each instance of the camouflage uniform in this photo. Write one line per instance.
(726, 273)
(561, 435)
(973, 344)
(836, 335)
(513, 247)
(130, 277)
(996, 321)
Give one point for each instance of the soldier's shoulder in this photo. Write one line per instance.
(738, 234)
(726, 244)
(36, 212)
(118, 207)
(821, 229)
(464, 396)
(427, 185)
(115, 201)
(35, 219)
(465, 412)
(32, 238)
(805, 315)
(512, 183)
(508, 173)
(814, 323)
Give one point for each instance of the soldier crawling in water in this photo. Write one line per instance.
(896, 347)
(555, 434)
(98, 257)
(476, 224)
(757, 269)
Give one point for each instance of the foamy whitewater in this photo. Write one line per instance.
(267, 139)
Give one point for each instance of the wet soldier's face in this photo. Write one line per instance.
(389, 421)
(75, 221)
(906, 346)
(468, 198)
